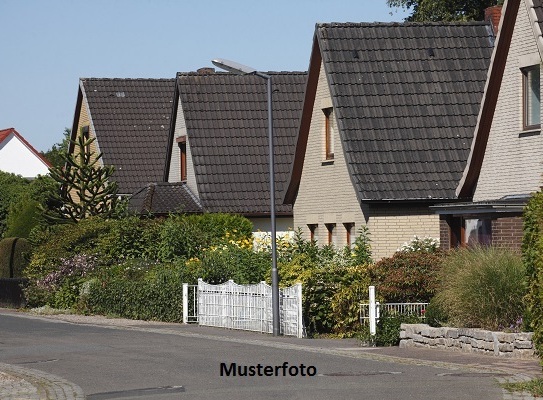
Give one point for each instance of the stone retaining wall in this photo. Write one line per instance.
(517, 345)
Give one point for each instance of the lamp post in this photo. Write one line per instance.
(240, 69)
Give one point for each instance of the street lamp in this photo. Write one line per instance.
(240, 69)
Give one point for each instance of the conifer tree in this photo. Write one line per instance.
(85, 185)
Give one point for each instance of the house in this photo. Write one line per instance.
(217, 156)
(386, 128)
(17, 156)
(130, 119)
(505, 161)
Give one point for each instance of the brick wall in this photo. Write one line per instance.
(444, 233)
(393, 225)
(507, 232)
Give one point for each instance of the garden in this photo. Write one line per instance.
(91, 256)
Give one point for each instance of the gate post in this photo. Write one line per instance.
(373, 311)
(300, 315)
(185, 303)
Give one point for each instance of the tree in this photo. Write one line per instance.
(11, 189)
(85, 186)
(444, 10)
(56, 154)
(26, 211)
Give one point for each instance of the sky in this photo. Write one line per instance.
(46, 46)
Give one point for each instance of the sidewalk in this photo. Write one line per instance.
(22, 383)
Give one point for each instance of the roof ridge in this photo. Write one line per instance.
(223, 73)
(405, 24)
(127, 79)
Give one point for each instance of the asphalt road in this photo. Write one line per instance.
(153, 364)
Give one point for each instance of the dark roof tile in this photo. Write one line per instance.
(227, 125)
(406, 98)
(131, 120)
(164, 198)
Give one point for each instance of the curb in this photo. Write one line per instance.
(17, 383)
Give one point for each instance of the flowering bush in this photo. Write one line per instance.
(60, 288)
(427, 243)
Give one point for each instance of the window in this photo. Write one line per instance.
(470, 231)
(348, 232)
(328, 138)
(531, 97)
(86, 135)
(477, 232)
(182, 142)
(312, 231)
(330, 229)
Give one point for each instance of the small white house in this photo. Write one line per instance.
(18, 157)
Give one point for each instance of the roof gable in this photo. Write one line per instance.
(227, 124)
(6, 133)
(131, 119)
(468, 182)
(406, 98)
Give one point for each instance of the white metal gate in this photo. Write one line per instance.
(246, 307)
(190, 303)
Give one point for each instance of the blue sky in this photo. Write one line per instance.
(46, 46)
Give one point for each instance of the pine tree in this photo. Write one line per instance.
(85, 186)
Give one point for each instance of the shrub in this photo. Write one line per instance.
(532, 257)
(60, 287)
(332, 290)
(185, 236)
(12, 188)
(482, 287)
(22, 218)
(129, 238)
(407, 276)
(435, 315)
(388, 328)
(218, 264)
(136, 290)
(361, 251)
(14, 255)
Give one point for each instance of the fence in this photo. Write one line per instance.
(244, 307)
(190, 303)
(370, 313)
(417, 309)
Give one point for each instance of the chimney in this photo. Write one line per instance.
(205, 71)
(493, 15)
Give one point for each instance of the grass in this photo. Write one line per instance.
(534, 387)
(482, 287)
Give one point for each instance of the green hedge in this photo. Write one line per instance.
(532, 257)
(14, 254)
(136, 291)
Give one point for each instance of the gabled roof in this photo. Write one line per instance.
(163, 198)
(131, 119)
(227, 124)
(467, 184)
(5, 133)
(406, 98)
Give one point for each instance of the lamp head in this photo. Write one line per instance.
(232, 66)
